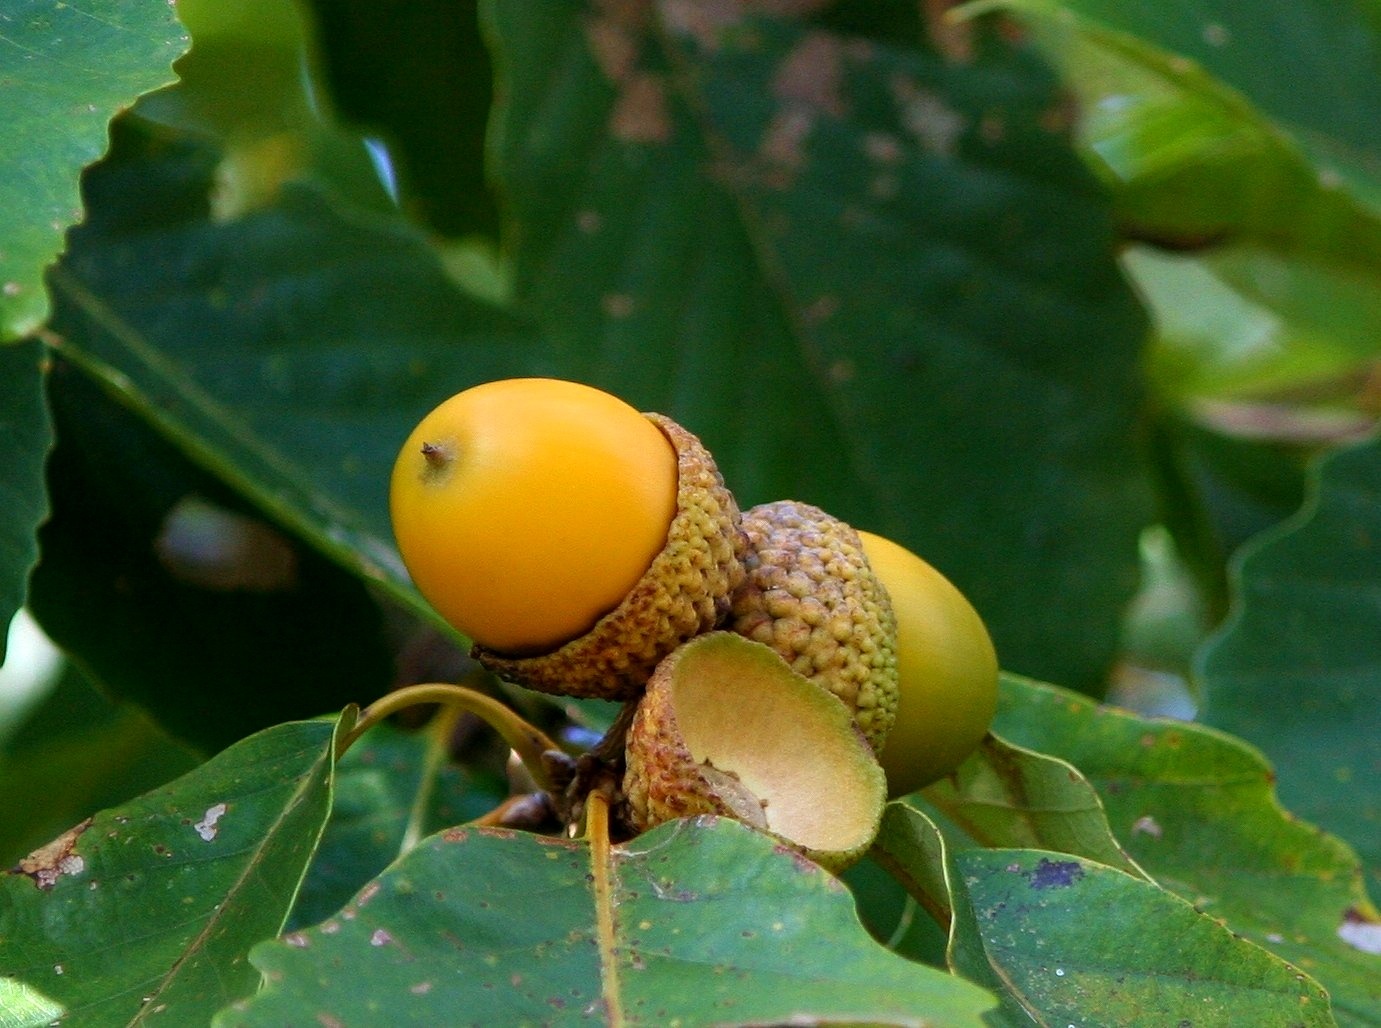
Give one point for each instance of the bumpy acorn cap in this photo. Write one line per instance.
(685, 591)
(725, 727)
(811, 596)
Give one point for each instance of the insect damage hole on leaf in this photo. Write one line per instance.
(207, 827)
(1361, 930)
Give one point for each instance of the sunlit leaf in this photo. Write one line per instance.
(1246, 138)
(1190, 110)
(65, 70)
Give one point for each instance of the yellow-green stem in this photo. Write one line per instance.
(601, 867)
(526, 740)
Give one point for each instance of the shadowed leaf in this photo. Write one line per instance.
(25, 437)
(1296, 670)
(149, 909)
(1145, 957)
(706, 921)
(871, 278)
(291, 376)
(390, 789)
(1197, 810)
(154, 575)
(1006, 797)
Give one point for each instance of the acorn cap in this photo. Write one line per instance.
(727, 728)
(686, 590)
(811, 596)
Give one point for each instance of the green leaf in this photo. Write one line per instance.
(893, 916)
(914, 851)
(250, 83)
(150, 908)
(1295, 670)
(169, 591)
(1060, 938)
(80, 769)
(1006, 797)
(1245, 137)
(1238, 324)
(1197, 810)
(390, 789)
(81, 752)
(289, 351)
(1331, 50)
(65, 70)
(1227, 483)
(1023, 918)
(703, 922)
(870, 278)
(25, 437)
(1187, 111)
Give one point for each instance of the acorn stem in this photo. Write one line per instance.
(597, 824)
(526, 740)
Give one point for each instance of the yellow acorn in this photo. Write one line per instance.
(810, 596)
(573, 539)
(947, 669)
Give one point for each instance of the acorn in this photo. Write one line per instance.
(947, 669)
(811, 596)
(574, 540)
(726, 728)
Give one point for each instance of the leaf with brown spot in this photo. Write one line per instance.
(810, 74)
(700, 922)
(45, 864)
(1065, 938)
(854, 295)
(199, 904)
(1197, 810)
(1008, 797)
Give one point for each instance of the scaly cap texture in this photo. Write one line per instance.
(685, 591)
(811, 596)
